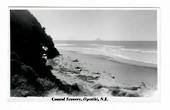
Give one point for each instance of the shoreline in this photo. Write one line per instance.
(120, 60)
(98, 76)
(112, 66)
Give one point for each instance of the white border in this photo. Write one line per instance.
(152, 99)
(165, 53)
(81, 8)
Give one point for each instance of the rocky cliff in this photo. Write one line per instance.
(30, 48)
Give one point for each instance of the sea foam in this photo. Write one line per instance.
(139, 57)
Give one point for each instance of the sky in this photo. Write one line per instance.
(115, 25)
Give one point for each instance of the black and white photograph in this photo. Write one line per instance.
(111, 52)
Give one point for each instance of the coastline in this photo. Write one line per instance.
(118, 59)
(124, 71)
(129, 52)
(96, 75)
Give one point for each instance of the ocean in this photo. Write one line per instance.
(139, 53)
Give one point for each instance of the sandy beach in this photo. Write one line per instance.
(121, 71)
(98, 76)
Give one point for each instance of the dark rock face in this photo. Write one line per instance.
(30, 49)
(28, 40)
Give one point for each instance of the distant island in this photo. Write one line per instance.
(98, 39)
